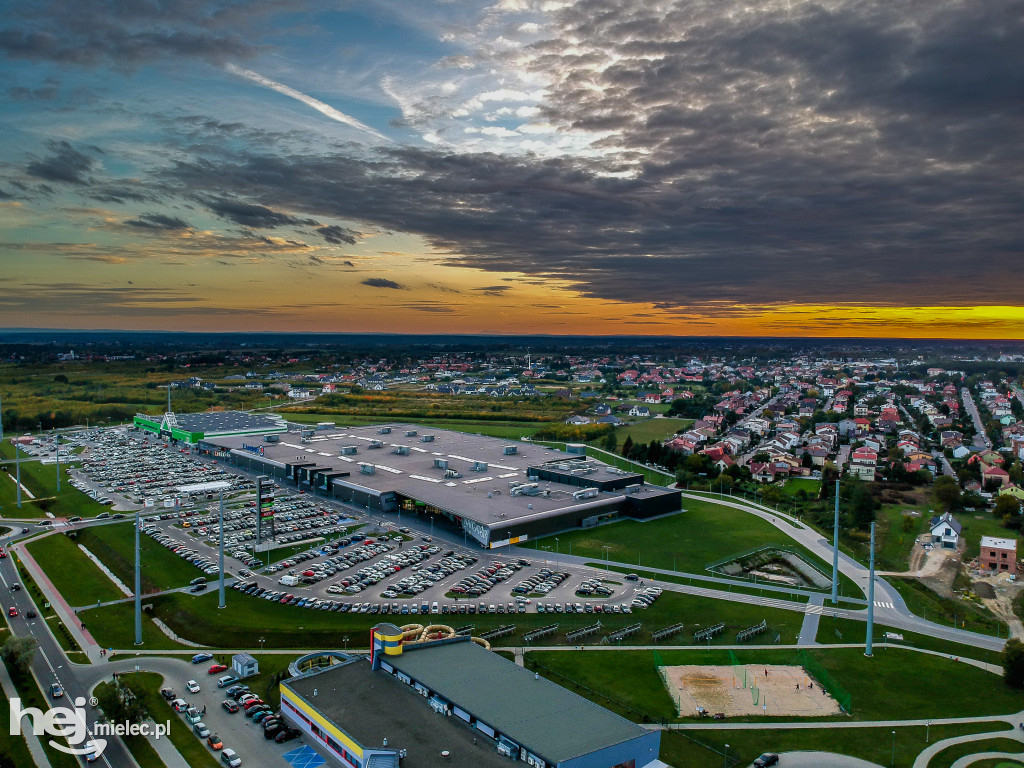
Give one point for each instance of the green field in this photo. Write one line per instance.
(78, 579)
(650, 429)
(950, 755)
(895, 537)
(741, 588)
(951, 612)
(706, 748)
(832, 630)
(114, 545)
(808, 485)
(41, 481)
(685, 542)
(246, 619)
(895, 684)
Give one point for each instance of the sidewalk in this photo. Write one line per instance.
(34, 747)
(59, 605)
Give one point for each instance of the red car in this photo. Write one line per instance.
(3, 553)
(215, 668)
(252, 703)
(12, 611)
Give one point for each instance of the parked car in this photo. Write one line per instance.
(201, 730)
(767, 759)
(199, 658)
(215, 668)
(168, 693)
(230, 758)
(230, 706)
(214, 742)
(192, 686)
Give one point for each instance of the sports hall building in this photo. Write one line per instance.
(454, 703)
(495, 491)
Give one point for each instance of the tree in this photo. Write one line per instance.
(627, 447)
(122, 701)
(946, 493)
(18, 653)
(1013, 663)
(610, 442)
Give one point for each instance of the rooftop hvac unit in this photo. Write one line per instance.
(375, 444)
(384, 431)
(324, 425)
(306, 432)
(441, 463)
(367, 469)
(586, 493)
(401, 450)
(410, 433)
(348, 450)
(427, 439)
(479, 466)
(452, 473)
(510, 450)
(634, 488)
(525, 489)
(271, 438)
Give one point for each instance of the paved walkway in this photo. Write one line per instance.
(59, 605)
(812, 616)
(34, 747)
(821, 759)
(117, 582)
(963, 762)
(805, 724)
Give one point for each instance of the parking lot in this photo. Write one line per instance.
(354, 561)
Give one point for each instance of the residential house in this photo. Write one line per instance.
(999, 555)
(945, 531)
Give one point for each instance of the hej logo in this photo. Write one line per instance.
(61, 722)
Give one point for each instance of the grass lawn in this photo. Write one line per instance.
(897, 533)
(895, 684)
(246, 619)
(686, 542)
(193, 750)
(78, 579)
(741, 588)
(705, 748)
(838, 630)
(140, 747)
(113, 626)
(114, 545)
(808, 485)
(953, 612)
(650, 429)
(59, 631)
(41, 480)
(950, 755)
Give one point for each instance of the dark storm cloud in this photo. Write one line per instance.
(250, 215)
(159, 222)
(828, 152)
(336, 235)
(382, 282)
(64, 164)
(128, 33)
(21, 93)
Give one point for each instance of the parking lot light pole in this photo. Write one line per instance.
(57, 439)
(606, 548)
(138, 580)
(725, 757)
(17, 470)
(220, 563)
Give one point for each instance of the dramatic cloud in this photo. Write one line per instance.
(93, 32)
(159, 222)
(382, 282)
(336, 235)
(64, 164)
(250, 215)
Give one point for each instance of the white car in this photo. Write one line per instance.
(91, 755)
(192, 686)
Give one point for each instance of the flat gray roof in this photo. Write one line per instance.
(373, 706)
(226, 421)
(482, 496)
(541, 716)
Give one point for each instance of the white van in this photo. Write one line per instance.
(435, 608)
(288, 580)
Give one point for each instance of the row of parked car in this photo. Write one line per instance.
(426, 576)
(593, 587)
(481, 582)
(540, 583)
(203, 563)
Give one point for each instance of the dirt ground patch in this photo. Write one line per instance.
(772, 690)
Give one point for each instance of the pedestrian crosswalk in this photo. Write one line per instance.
(814, 608)
(880, 604)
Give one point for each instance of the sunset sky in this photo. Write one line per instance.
(707, 167)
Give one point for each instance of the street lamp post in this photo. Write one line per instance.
(57, 440)
(725, 757)
(893, 761)
(556, 549)
(927, 730)
(17, 470)
(606, 548)
(345, 641)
